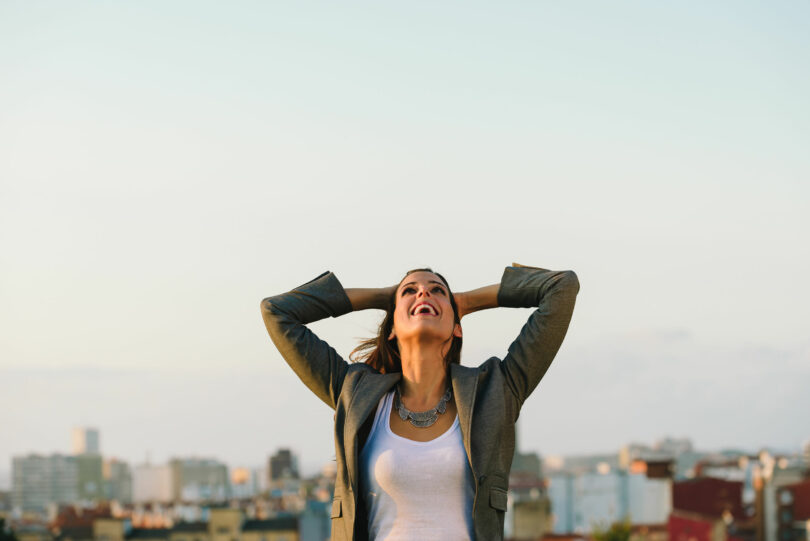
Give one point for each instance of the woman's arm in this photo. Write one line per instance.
(477, 299)
(553, 293)
(365, 298)
(318, 365)
(482, 298)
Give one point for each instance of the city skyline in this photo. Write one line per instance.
(667, 487)
(163, 169)
(312, 468)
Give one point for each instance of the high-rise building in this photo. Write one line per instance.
(117, 481)
(90, 482)
(282, 465)
(85, 441)
(38, 481)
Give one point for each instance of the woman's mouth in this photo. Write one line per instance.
(424, 309)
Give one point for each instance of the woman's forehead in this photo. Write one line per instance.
(422, 277)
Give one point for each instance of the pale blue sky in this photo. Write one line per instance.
(163, 167)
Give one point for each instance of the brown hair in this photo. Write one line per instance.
(383, 354)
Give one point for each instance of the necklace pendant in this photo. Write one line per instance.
(421, 419)
(424, 423)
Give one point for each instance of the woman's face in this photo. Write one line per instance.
(423, 309)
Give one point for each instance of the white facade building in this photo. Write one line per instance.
(152, 483)
(582, 501)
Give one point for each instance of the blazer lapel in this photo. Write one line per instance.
(465, 383)
(367, 395)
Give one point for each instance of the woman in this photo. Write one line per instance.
(423, 445)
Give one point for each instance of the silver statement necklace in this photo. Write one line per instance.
(421, 419)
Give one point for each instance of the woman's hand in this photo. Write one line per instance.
(461, 304)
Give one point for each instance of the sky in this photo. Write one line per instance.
(164, 167)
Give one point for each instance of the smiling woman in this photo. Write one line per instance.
(382, 351)
(423, 444)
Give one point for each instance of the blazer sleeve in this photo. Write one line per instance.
(554, 294)
(318, 365)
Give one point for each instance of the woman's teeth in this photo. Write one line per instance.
(424, 309)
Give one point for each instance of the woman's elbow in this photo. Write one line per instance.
(271, 316)
(267, 305)
(570, 281)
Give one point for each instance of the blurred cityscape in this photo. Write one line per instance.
(666, 491)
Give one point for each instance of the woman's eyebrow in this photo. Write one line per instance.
(429, 281)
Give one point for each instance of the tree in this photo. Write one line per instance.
(6, 534)
(618, 531)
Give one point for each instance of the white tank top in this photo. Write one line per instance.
(412, 489)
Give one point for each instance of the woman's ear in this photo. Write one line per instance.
(392, 335)
(457, 330)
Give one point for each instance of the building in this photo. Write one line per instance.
(679, 450)
(686, 527)
(273, 529)
(196, 480)
(528, 513)
(33, 532)
(85, 441)
(579, 464)
(38, 481)
(152, 483)
(709, 509)
(282, 466)
(806, 454)
(182, 480)
(772, 475)
(710, 497)
(793, 511)
(224, 524)
(581, 501)
(315, 523)
(672, 447)
(90, 480)
(117, 481)
(244, 483)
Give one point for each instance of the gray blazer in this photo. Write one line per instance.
(488, 397)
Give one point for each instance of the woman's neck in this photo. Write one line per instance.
(424, 376)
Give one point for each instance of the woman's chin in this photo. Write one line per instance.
(428, 333)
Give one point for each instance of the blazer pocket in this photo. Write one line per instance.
(497, 498)
(337, 509)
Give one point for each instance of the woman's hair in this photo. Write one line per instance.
(383, 354)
